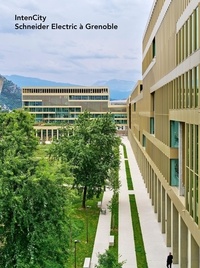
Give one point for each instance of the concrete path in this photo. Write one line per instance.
(125, 235)
(101, 242)
(154, 240)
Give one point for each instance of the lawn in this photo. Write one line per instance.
(128, 176)
(125, 151)
(139, 244)
(86, 221)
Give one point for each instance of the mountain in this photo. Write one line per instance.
(119, 89)
(10, 92)
(23, 81)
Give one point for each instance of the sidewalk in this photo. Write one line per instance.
(125, 235)
(154, 240)
(101, 242)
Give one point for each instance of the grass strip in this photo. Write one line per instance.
(114, 225)
(125, 152)
(128, 175)
(139, 244)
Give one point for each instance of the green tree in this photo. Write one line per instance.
(108, 260)
(35, 211)
(35, 200)
(90, 147)
(17, 135)
(115, 186)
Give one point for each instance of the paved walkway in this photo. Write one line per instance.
(101, 242)
(154, 240)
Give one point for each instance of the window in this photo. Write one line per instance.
(174, 172)
(129, 111)
(154, 47)
(174, 139)
(152, 125)
(144, 141)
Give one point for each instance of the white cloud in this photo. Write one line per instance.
(76, 56)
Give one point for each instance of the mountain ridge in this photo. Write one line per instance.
(10, 95)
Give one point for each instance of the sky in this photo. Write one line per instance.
(74, 55)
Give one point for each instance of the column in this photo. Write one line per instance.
(162, 209)
(175, 236)
(159, 200)
(150, 184)
(42, 135)
(152, 189)
(181, 159)
(168, 222)
(155, 194)
(194, 254)
(183, 257)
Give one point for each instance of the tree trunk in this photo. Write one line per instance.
(84, 196)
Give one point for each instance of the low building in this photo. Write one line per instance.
(55, 107)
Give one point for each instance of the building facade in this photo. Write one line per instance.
(54, 107)
(164, 123)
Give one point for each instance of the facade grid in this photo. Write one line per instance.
(164, 123)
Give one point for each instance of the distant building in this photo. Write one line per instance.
(164, 124)
(55, 106)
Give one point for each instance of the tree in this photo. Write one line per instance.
(35, 202)
(17, 135)
(91, 150)
(108, 260)
(35, 213)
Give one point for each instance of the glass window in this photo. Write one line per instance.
(174, 139)
(154, 47)
(174, 172)
(152, 125)
(144, 141)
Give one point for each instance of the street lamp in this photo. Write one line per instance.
(87, 235)
(75, 242)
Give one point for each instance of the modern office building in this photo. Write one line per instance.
(54, 107)
(164, 124)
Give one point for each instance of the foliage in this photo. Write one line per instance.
(17, 136)
(35, 202)
(139, 244)
(91, 149)
(108, 260)
(34, 216)
(128, 176)
(115, 186)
